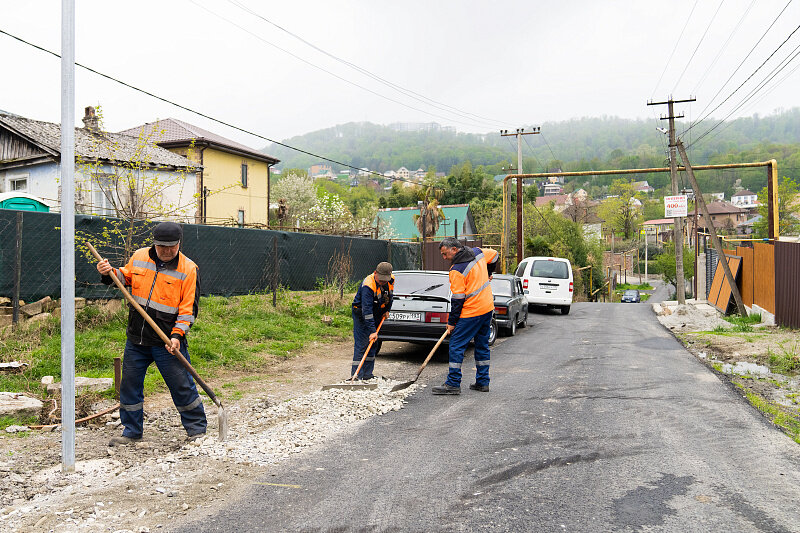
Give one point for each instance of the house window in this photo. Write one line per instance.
(102, 185)
(244, 174)
(18, 184)
(240, 218)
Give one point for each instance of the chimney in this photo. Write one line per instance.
(90, 121)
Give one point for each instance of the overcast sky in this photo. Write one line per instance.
(476, 65)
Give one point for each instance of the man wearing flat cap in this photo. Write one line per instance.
(373, 300)
(166, 284)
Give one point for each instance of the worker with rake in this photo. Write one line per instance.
(471, 309)
(166, 284)
(372, 301)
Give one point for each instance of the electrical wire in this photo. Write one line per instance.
(777, 70)
(708, 27)
(402, 90)
(711, 102)
(685, 24)
(341, 78)
(219, 121)
(724, 46)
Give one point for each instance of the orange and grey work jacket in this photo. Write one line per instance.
(469, 283)
(169, 292)
(372, 301)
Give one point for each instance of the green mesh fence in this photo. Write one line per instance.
(231, 260)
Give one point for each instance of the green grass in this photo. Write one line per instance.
(779, 417)
(237, 333)
(743, 324)
(786, 360)
(642, 287)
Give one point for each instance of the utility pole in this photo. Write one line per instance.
(723, 260)
(518, 134)
(677, 235)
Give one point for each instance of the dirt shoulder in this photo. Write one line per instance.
(164, 480)
(761, 362)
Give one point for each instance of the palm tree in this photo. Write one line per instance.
(430, 212)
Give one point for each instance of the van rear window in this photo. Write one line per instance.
(549, 269)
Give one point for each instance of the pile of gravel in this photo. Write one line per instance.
(689, 317)
(264, 433)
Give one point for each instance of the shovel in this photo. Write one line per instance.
(222, 417)
(350, 384)
(402, 386)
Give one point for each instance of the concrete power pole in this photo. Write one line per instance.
(677, 235)
(518, 134)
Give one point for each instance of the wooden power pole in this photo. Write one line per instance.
(677, 235)
(723, 261)
(518, 134)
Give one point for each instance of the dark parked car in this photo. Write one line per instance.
(420, 308)
(631, 296)
(510, 304)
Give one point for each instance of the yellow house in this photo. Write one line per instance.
(232, 187)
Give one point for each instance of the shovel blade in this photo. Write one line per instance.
(402, 386)
(222, 421)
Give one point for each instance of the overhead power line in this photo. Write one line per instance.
(685, 24)
(711, 102)
(403, 90)
(724, 46)
(473, 123)
(708, 27)
(218, 121)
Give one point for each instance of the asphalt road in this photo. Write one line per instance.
(596, 421)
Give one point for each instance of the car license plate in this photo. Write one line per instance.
(548, 286)
(404, 316)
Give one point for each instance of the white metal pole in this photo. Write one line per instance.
(646, 279)
(68, 235)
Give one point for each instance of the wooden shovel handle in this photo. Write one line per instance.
(157, 329)
(364, 357)
(433, 351)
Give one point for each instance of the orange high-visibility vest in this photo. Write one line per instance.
(470, 282)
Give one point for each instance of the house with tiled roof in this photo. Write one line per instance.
(724, 215)
(233, 183)
(399, 222)
(30, 157)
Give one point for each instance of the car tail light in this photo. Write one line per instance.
(501, 310)
(524, 283)
(436, 317)
(570, 286)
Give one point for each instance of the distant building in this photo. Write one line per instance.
(403, 173)
(552, 189)
(319, 169)
(745, 199)
(642, 186)
(724, 216)
(457, 220)
(717, 196)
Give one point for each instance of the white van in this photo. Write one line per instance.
(547, 281)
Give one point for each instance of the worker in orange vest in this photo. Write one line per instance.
(471, 309)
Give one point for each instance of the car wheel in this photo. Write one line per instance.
(524, 318)
(512, 329)
(564, 309)
(492, 332)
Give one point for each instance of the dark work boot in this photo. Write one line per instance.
(446, 389)
(481, 388)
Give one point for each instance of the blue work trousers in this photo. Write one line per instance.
(181, 386)
(474, 327)
(360, 342)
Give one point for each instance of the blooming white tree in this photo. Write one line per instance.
(330, 214)
(299, 193)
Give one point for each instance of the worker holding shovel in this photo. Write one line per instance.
(166, 284)
(471, 309)
(372, 301)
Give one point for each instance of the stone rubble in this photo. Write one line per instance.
(165, 475)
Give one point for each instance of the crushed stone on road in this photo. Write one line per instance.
(158, 482)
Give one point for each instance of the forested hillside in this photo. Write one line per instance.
(581, 144)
